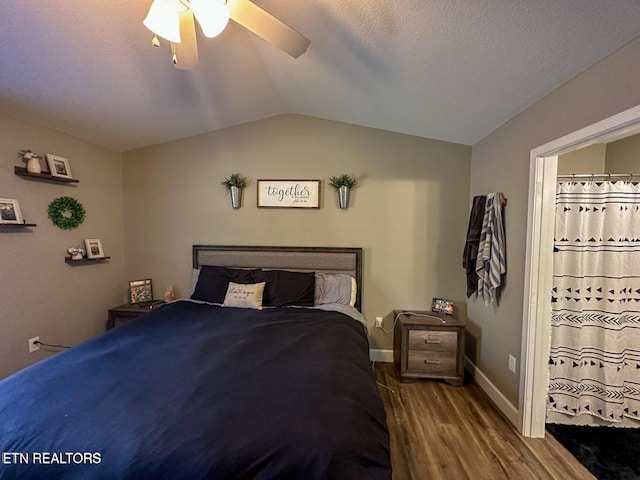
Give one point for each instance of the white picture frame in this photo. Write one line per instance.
(58, 166)
(10, 213)
(94, 249)
(288, 193)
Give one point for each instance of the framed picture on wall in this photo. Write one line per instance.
(94, 248)
(140, 291)
(10, 211)
(58, 166)
(289, 193)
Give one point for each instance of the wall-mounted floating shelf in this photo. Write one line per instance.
(22, 172)
(84, 261)
(17, 225)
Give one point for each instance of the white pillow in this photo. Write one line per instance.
(195, 275)
(335, 288)
(243, 295)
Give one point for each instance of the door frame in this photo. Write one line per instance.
(536, 321)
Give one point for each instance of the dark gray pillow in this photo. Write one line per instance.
(286, 288)
(213, 282)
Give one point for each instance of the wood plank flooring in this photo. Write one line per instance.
(443, 432)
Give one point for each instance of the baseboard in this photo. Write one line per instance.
(505, 406)
(377, 355)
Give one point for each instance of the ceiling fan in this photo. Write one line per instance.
(174, 21)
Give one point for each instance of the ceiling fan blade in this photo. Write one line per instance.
(265, 25)
(187, 50)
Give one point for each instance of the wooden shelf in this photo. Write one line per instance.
(85, 260)
(22, 172)
(17, 225)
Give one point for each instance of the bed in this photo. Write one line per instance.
(199, 389)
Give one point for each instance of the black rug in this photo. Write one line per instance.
(609, 453)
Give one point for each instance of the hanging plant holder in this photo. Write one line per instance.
(343, 184)
(66, 213)
(343, 197)
(236, 197)
(235, 184)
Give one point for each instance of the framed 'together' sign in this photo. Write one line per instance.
(289, 193)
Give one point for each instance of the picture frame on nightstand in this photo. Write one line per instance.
(140, 291)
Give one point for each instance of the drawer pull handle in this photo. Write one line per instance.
(432, 362)
(428, 340)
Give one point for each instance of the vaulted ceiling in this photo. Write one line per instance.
(452, 70)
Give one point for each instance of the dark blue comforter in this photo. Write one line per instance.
(195, 391)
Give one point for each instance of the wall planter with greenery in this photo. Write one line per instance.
(343, 184)
(235, 184)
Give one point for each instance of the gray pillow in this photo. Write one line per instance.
(335, 288)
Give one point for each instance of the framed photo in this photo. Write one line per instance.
(140, 291)
(94, 248)
(10, 211)
(288, 193)
(442, 305)
(58, 166)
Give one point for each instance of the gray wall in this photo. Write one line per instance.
(41, 294)
(500, 162)
(409, 213)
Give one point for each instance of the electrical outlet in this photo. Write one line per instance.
(512, 363)
(379, 322)
(33, 346)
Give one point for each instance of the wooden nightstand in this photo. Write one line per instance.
(125, 313)
(429, 346)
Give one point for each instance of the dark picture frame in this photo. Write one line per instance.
(140, 291)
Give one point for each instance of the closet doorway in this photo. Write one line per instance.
(539, 263)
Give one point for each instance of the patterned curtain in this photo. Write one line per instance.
(595, 324)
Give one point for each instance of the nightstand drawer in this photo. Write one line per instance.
(431, 363)
(433, 340)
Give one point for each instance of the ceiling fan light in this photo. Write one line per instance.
(212, 16)
(163, 19)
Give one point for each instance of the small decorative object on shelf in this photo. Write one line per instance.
(58, 166)
(343, 184)
(10, 212)
(94, 248)
(66, 213)
(32, 159)
(75, 252)
(235, 184)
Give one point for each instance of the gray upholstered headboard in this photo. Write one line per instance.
(302, 259)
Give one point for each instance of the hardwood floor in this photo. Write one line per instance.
(443, 432)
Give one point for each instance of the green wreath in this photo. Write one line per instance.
(66, 213)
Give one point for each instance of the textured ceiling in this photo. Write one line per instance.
(452, 70)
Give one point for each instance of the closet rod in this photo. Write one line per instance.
(599, 175)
